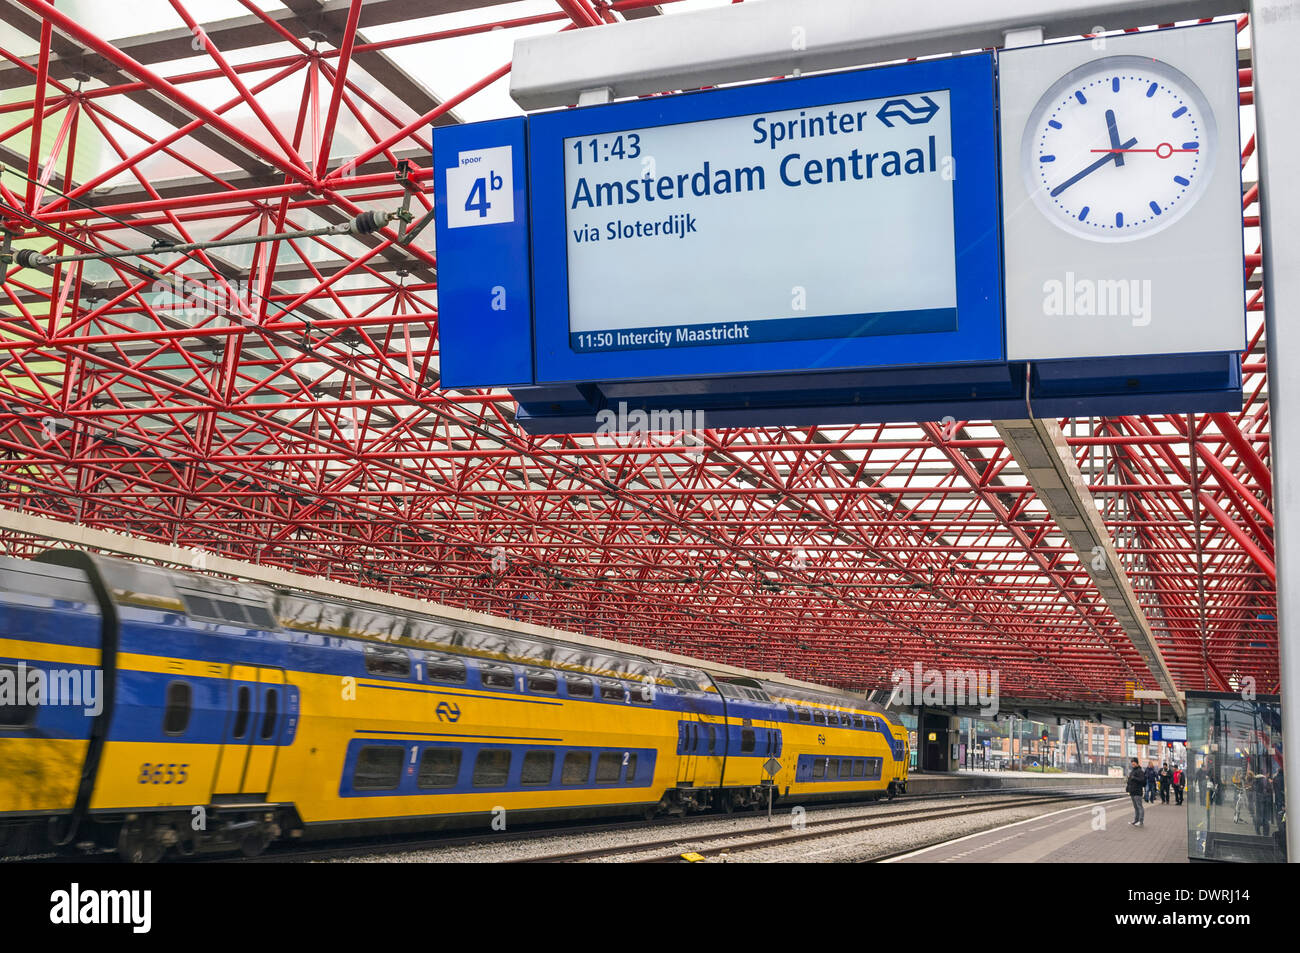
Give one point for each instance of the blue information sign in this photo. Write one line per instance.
(484, 284)
(810, 251)
(838, 222)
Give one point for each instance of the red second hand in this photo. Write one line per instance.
(1162, 151)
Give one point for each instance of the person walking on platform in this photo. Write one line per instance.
(1137, 782)
(1149, 793)
(1261, 808)
(1178, 781)
(1166, 778)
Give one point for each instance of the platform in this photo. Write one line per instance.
(946, 783)
(1073, 835)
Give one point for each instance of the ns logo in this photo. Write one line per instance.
(447, 711)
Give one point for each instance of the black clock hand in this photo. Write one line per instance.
(1108, 157)
(1114, 136)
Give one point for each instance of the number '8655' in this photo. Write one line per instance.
(158, 773)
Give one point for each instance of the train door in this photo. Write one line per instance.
(248, 750)
(688, 743)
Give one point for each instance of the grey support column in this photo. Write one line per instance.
(1275, 38)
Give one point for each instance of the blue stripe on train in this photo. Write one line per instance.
(817, 768)
(412, 753)
(702, 738)
(169, 634)
(70, 696)
(330, 655)
(53, 621)
(142, 701)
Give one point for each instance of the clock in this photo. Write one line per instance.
(1119, 148)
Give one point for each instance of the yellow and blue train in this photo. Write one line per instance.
(158, 710)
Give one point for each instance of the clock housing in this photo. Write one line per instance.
(1119, 148)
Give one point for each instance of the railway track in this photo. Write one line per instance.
(881, 814)
(705, 847)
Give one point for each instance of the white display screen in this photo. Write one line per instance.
(822, 222)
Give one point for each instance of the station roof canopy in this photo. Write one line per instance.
(280, 405)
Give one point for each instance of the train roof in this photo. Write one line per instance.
(267, 597)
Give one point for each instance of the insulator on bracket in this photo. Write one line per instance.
(27, 258)
(368, 222)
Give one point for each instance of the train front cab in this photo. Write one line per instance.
(184, 750)
(51, 686)
(902, 759)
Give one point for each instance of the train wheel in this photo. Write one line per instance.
(136, 847)
(253, 845)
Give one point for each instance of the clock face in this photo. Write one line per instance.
(1119, 148)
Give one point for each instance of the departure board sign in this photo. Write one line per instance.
(721, 203)
(912, 242)
(830, 222)
(1168, 733)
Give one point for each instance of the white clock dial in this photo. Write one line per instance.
(1119, 148)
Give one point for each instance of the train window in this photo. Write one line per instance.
(713, 740)
(791, 712)
(641, 694)
(577, 768)
(846, 767)
(385, 660)
(268, 717)
(212, 607)
(176, 716)
(491, 768)
(261, 617)
(379, 768)
(544, 682)
(746, 740)
(242, 698)
(443, 669)
(859, 768)
(805, 715)
(608, 766)
(497, 676)
(819, 768)
(580, 687)
(538, 767)
(630, 774)
(199, 606)
(612, 692)
(819, 717)
(12, 715)
(439, 768)
(858, 722)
